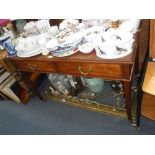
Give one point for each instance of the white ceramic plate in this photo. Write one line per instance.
(33, 53)
(64, 54)
(112, 38)
(112, 56)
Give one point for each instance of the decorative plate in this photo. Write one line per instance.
(65, 53)
(116, 54)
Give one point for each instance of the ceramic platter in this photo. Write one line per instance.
(65, 53)
(114, 56)
(33, 53)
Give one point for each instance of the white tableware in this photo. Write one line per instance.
(91, 33)
(45, 36)
(66, 53)
(130, 25)
(116, 56)
(64, 34)
(54, 30)
(27, 44)
(108, 50)
(62, 49)
(32, 42)
(86, 48)
(112, 38)
(34, 52)
(62, 26)
(42, 42)
(122, 37)
(52, 44)
(29, 25)
(135, 23)
(43, 26)
(31, 28)
(81, 27)
(114, 52)
(73, 39)
(68, 22)
(75, 22)
(90, 22)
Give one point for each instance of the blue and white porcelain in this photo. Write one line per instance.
(7, 43)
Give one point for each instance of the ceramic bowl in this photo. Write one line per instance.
(86, 48)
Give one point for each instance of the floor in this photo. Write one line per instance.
(51, 118)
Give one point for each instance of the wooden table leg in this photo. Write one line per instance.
(32, 84)
(127, 94)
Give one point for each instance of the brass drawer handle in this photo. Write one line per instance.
(32, 67)
(83, 73)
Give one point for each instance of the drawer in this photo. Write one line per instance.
(40, 66)
(90, 69)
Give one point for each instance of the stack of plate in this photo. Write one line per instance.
(66, 48)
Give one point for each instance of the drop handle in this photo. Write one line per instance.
(85, 73)
(32, 67)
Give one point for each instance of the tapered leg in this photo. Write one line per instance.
(32, 84)
(127, 95)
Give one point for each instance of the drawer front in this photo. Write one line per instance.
(89, 69)
(31, 66)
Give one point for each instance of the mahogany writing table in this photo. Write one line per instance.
(90, 65)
